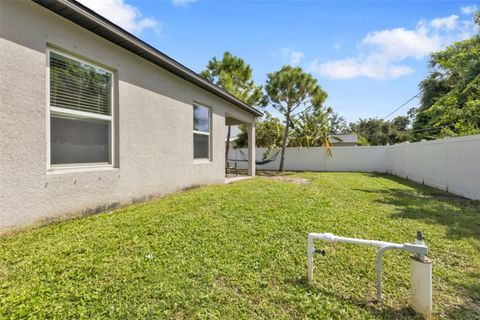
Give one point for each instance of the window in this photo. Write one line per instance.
(81, 112)
(201, 132)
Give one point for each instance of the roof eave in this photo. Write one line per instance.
(90, 20)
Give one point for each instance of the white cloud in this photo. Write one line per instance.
(182, 3)
(292, 56)
(448, 23)
(336, 45)
(467, 30)
(123, 14)
(295, 57)
(384, 54)
(373, 67)
(400, 43)
(469, 9)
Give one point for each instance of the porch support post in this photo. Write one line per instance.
(251, 149)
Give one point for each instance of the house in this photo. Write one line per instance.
(343, 140)
(93, 117)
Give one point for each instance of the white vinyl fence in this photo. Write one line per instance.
(451, 164)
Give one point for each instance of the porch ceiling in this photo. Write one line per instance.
(229, 121)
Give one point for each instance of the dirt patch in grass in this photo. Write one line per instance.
(289, 179)
(275, 173)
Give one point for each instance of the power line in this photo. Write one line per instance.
(415, 96)
(403, 105)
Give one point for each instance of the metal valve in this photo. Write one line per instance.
(420, 236)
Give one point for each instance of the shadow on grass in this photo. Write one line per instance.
(460, 216)
(471, 308)
(474, 288)
(375, 309)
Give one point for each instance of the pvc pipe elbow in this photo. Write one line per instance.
(329, 237)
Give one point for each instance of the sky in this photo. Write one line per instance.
(369, 56)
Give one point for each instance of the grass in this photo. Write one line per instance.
(239, 251)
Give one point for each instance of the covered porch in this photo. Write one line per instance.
(232, 163)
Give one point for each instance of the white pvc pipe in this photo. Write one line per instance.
(310, 258)
(380, 253)
(421, 292)
(420, 249)
(329, 237)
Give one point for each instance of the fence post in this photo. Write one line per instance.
(445, 142)
(251, 149)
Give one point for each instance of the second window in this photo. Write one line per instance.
(201, 132)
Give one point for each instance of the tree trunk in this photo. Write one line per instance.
(227, 146)
(284, 143)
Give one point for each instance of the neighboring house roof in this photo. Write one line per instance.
(343, 138)
(90, 20)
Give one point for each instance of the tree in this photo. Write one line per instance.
(399, 129)
(234, 76)
(377, 132)
(373, 130)
(268, 134)
(432, 88)
(310, 130)
(450, 100)
(337, 123)
(292, 92)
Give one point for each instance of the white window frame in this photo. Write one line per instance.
(209, 158)
(79, 114)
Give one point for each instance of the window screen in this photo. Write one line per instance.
(76, 140)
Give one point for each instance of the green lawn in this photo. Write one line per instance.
(239, 251)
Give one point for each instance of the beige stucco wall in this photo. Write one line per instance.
(154, 136)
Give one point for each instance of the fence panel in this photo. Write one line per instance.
(463, 166)
(449, 164)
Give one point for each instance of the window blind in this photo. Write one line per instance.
(79, 86)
